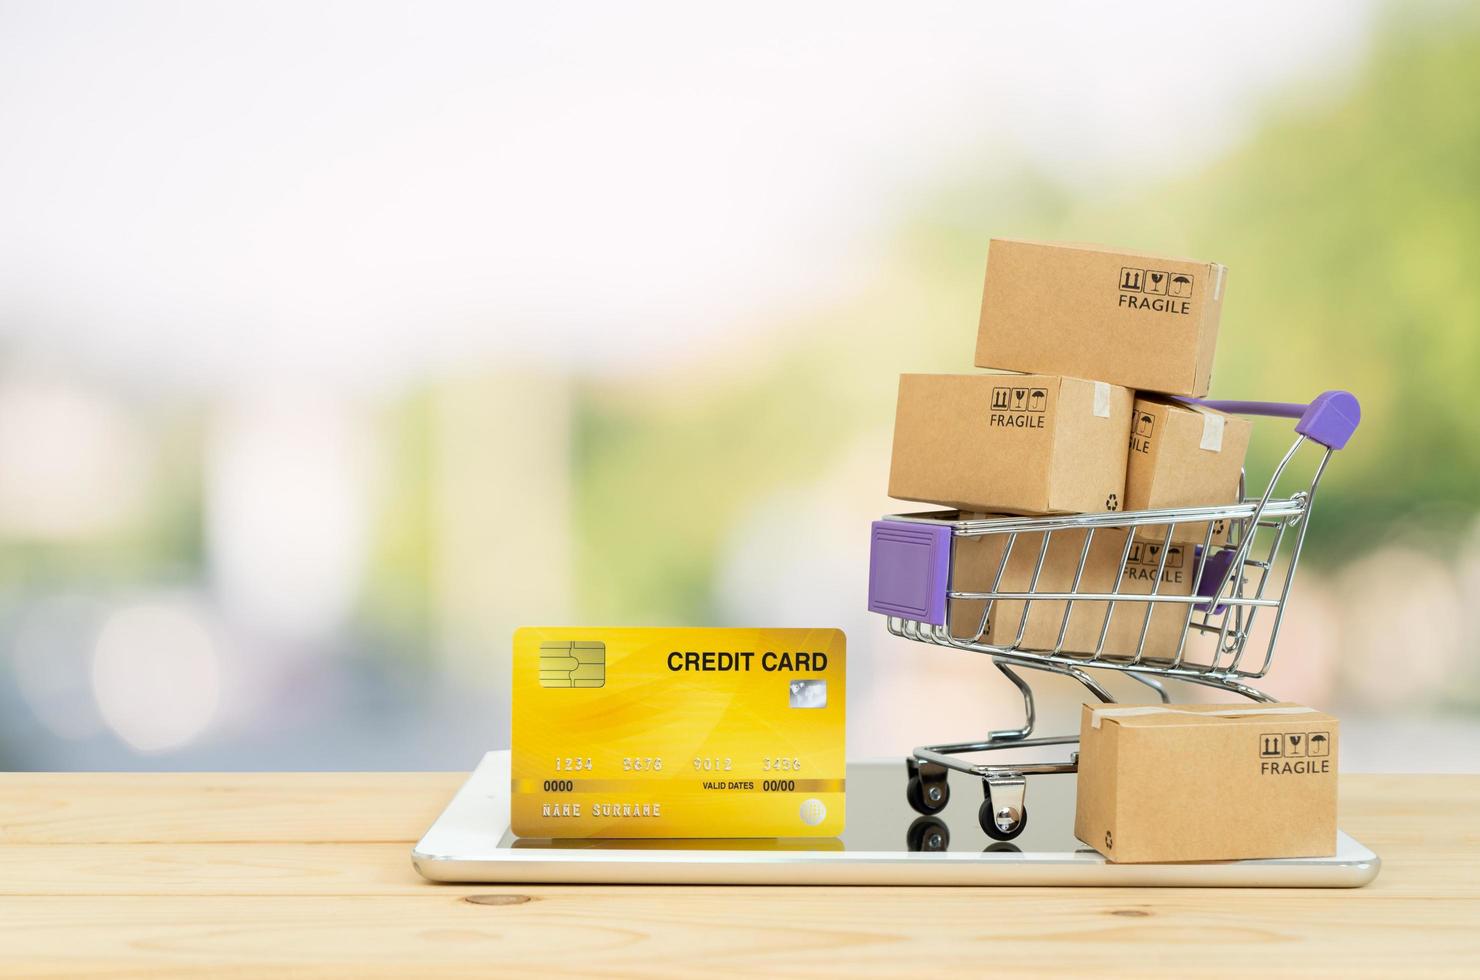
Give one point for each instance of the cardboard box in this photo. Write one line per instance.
(1183, 456)
(1025, 444)
(975, 562)
(1214, 782)
(1129, 318)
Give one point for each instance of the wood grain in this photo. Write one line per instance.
(184, 874)
(157, 807)
(770, 931)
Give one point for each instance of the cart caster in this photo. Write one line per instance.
(1004, 818)
(927, 834)
(927, 791)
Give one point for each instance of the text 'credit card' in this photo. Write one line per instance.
(678, 732)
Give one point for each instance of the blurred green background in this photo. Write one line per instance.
(293, 563)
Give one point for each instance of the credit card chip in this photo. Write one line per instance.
(573, 663)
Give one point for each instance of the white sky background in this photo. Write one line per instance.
(195, 192)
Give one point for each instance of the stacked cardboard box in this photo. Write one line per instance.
(1019, 444)
(1088, 349)
(1215, 782)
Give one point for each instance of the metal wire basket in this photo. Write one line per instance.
(1154, 594)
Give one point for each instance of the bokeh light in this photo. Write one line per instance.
(289, 485)
(156, 674)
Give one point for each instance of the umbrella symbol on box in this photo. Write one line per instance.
(1180, 286)
(1320, 744)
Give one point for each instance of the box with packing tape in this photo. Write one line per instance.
(977, 566)
(1216, 782)
(1129, 318)
(1183, 456)
(1022, 444)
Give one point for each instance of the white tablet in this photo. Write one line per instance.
(886, 843)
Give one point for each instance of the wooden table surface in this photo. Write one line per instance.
(153, 874)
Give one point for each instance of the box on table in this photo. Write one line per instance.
(1184, 456)
(975, 562)
(1207, 782)
(1129, 318)
(1025, 444)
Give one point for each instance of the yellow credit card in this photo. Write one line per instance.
(678, 732)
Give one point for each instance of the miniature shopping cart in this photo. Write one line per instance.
(1093, 623)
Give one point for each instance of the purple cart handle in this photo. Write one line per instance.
(1330, 419)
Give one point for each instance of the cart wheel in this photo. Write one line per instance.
(987, 817)
(927, 798)
(928, 834)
